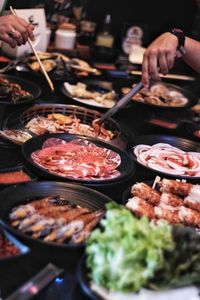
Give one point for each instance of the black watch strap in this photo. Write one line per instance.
(181, 39)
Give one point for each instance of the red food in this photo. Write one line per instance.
(7, 248)
(77, 159)
(197, 133)
(168, 159)
(14, 177)
(163, 123)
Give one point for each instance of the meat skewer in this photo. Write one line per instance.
(141, 208)
(145, 192)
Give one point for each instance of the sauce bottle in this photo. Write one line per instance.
(105, 38)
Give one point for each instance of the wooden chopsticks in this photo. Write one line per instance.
(168, 76)
(38, 59)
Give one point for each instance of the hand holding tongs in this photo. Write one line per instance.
(121, 103)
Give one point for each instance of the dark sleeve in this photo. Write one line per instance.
(78, 3)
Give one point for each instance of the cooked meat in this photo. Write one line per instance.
(141, 207)
(189, 216)
(145, 192)
(171, 199)
(172, 216)
(175, 187)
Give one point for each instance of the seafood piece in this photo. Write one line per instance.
(26, 223)
(40, 125)
(89, 224)
(44, 55)
(55, 123)
(145, 192)
(141, 208)
(65, 232)
(61, 119)
(48, 228)
(160, 95)
(80, 91)
(48, 64)
(38, 226)
(16, 136)
(21, 212)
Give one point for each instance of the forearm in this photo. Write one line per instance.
(192, 54)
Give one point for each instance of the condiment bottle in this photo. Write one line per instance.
(105, 37)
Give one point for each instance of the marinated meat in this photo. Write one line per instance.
(77, 159)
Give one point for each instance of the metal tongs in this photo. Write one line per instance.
(121, 103)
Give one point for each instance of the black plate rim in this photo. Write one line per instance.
(5, 224)
(19, 80)
(192, 98)
(71, 137)
(18, 168)
(159, 136)
(13, 147)
(14, 240)
(191, 128)
(83, 280)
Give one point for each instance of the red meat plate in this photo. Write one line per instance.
(78, 159)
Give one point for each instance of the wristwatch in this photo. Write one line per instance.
(181, 39)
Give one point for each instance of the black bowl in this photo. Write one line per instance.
(23, 249)
(191, 129)
(23, 193)
(19, 168)
(26, 85)
(14, 262)
(84, 280)
(112, 187)
(183, 144)
(10, 155)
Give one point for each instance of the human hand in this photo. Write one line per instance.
(159, 56)
(15, 30)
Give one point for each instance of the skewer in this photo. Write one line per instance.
(157, 179)
(169, 76)
(38, 59)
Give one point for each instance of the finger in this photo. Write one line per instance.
(145, 73)
(153, 67)
(162, 60)
(25, 37)
(7, 39)
(18, 27)
(30, 29)
(170, 59)
(16, 35)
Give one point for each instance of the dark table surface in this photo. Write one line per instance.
(132, 120)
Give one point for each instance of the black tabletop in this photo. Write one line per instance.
(66, 287)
